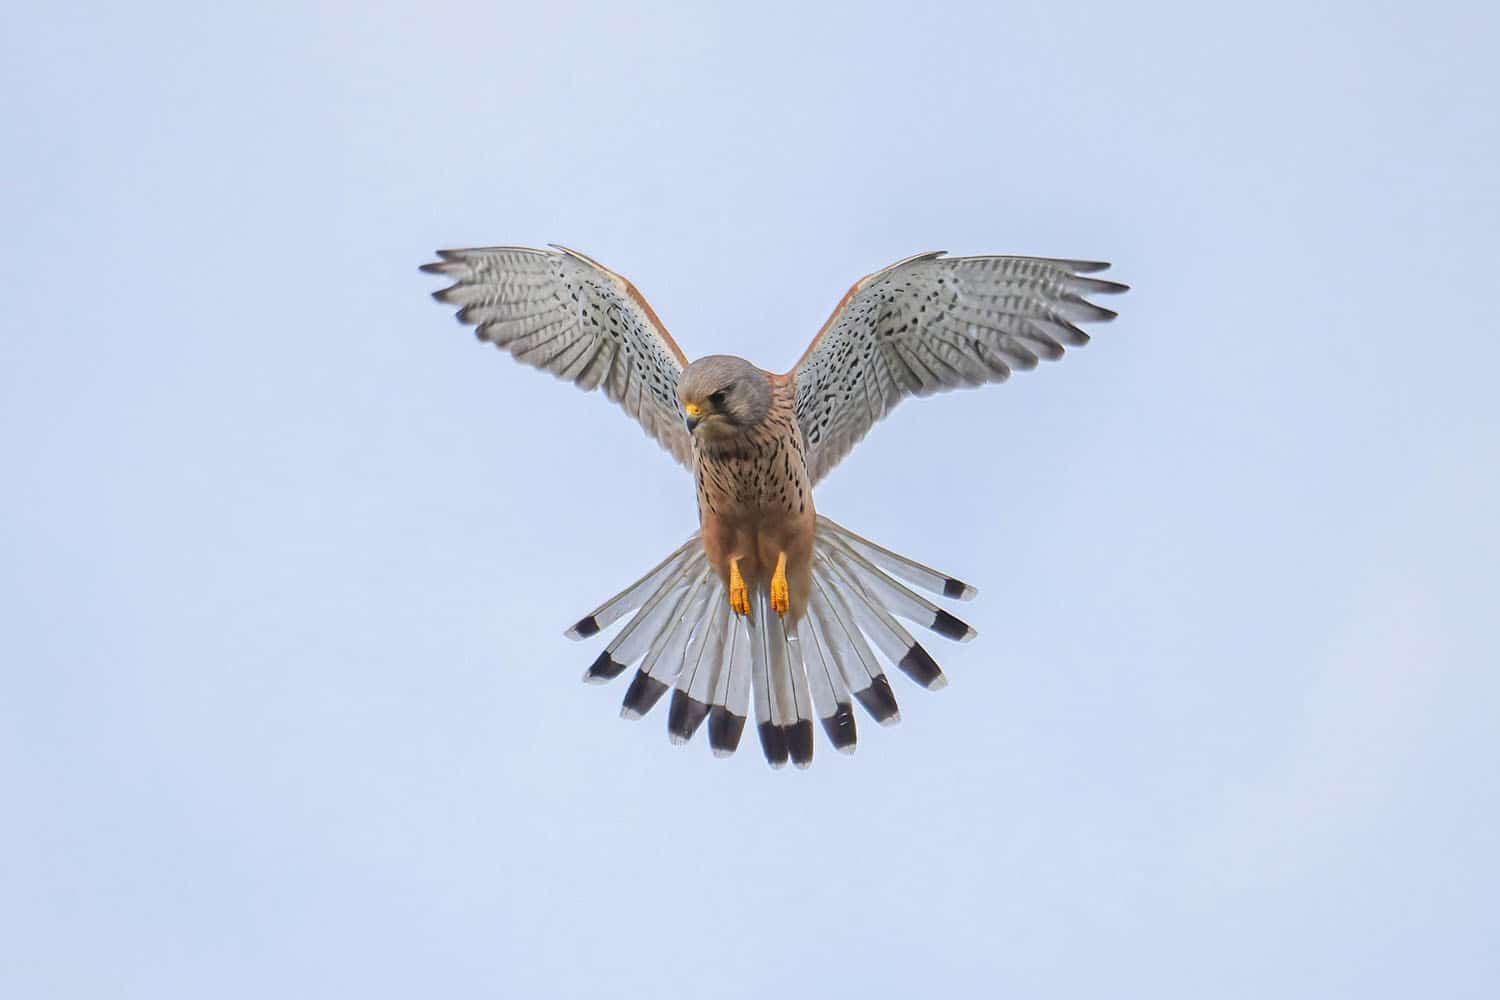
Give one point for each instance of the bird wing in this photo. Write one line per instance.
(931, 323)
(560, 311)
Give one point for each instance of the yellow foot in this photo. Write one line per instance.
(739, 596)
(781, 598)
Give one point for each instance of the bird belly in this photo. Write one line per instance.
(755, 525)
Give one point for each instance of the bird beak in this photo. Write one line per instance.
(694, 414)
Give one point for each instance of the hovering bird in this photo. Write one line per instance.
(768, 595)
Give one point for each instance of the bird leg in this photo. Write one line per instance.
(739, 595)
(781, 598)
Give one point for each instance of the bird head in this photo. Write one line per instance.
(723, 396)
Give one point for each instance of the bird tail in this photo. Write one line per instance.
(683, 637)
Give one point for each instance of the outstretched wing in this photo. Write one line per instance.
(931, 323)
(562, 312)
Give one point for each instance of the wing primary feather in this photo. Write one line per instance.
(564, 312)
(932, 323)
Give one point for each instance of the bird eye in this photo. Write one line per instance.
(717, 399)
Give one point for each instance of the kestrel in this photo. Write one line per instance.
(768, 595)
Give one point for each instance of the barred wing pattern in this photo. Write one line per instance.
(562, 312)
(931, 323)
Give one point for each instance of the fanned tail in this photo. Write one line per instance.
(682, 637)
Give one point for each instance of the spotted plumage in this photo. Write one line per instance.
(769, 597)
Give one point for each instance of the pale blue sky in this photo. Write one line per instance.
(285, 556)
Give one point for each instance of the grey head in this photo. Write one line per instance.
(723, 396)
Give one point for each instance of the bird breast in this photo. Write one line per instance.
(759, 475)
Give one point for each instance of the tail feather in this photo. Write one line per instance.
(800, 733)
(705, 655)
(830, 692)
(894, 642)
(731, 701)
(664, 660)
(634, 595)
(685, 640)
(783, 711)
(794, 673)
(861, 669)
(768, 721)
(635, 639)
(900, 566)
(895, 597)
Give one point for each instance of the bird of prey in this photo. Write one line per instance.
(769, 596)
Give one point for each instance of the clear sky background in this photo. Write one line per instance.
(285, 556)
